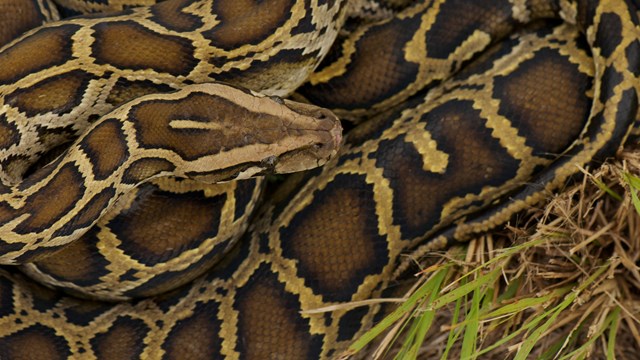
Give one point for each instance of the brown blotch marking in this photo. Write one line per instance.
(245, 191)
(125, 90)
(608, 82)
(170, 15)
(609, 33)
(196, 337)
(166, 301)
(626, 114)
(143, 169)
(486, 60)
(169, 280)
(163, 224)
(271, 72)
(39, 173)
(586, 14)
(544, 9)
(545, 99)
(17, 17)
(36, 342)
(58, 94)
(45, 48)
(88, 265)
(5, 189)
(476, 160)
(82, 313)
(375, 126)
(632, 53)
(123, 340)
(128, 45)
(377, 70)
(230, 262)
(66, 187)
(9, 134)
(324, 247)
(229, 173)
(307, 24)
(282, 194)
(265, 308)
(245, 22)
(43, 298)
(6, 298)
(106, 147)
(56, 140)
(458, 19)
(39, 253)
(152, 121)
(351, 322)
(90, 213)
(15, 165)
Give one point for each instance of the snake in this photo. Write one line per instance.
(464, 114)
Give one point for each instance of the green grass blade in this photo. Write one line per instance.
(613, 332)
(536, 335)
(424, 321)
(467, 288)
(602, 186)
(409, 340)
(526, 303)
(472, 322)
(634, 184)
(511, 290)
(635, 200)
(422, 325)
(582, 351)
(633, 180)
(455, 331)
(552, 351)
(431, 286)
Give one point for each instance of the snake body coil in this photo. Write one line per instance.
(462, 126)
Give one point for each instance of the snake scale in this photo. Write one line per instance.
(117, 131)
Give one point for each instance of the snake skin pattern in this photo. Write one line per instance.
(467, 112)
(18, 17)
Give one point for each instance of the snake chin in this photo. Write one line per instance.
(309, 157)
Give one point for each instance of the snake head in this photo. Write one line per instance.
(223, 132)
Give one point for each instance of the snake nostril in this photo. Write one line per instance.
(321, 115)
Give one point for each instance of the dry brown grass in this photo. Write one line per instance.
(565, 284)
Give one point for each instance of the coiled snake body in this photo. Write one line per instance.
(461, 132)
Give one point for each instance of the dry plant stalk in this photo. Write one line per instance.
(591, 227)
